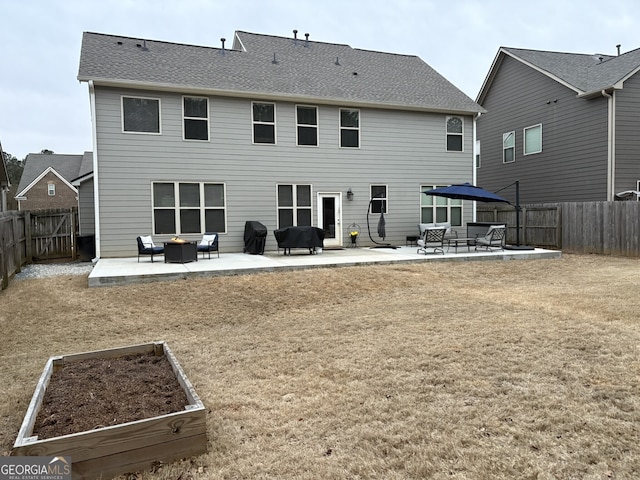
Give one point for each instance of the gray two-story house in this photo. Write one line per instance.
(281, 130)
(565, 125)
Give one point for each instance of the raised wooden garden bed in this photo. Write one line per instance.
(112, 450)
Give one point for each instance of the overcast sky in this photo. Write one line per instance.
(42, 104)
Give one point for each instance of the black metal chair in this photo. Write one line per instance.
(147, 247)
(208, 244)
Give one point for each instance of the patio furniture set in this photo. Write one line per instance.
(177, 250)
(433, 236)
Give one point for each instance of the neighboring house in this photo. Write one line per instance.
(46, 181)
(284, 131)
(565, 125)
(5, 184)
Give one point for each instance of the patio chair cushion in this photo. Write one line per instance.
(147, 241)
(449, 232)
(207, 240)
(432, 238)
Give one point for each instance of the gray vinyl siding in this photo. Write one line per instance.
(400, 149)
(627, 144)
(86, 208)
(573, 163)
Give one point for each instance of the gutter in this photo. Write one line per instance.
(474, 176)
(611, 138)
(96, 183)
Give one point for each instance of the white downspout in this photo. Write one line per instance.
(96, 183)
(611, 138)
(474, 176)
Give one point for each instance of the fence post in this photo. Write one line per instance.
(4, 267)
(27, 237)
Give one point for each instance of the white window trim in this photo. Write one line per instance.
(176, 208)
(514, 146)
(317, 126)
(524, 139)
(51, 189)
(274, 123)
(159, 132)
(449, 206)
(340, 127)
(385, 198)
(207, 118)
(446, 133)
(294, 207)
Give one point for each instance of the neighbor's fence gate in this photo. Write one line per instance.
(609, 228)
(35, 236)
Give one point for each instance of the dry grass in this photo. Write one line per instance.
(505, 370)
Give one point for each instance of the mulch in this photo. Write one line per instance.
(95, 393)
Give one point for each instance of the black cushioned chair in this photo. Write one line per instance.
(208, 244)
(147, 247)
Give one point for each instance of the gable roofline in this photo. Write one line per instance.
(504, 52)
(586, 74)
(23, 192)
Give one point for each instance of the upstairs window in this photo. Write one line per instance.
(264, 122)
(509, 147)
(307, 123)
(195, 111)
(349, 128)
(454, 134)
(140, 115)
(378, 198)
(533, 139)
(51, 189)
(294, 205)
(434, 209)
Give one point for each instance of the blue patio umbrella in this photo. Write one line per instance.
(466, 191)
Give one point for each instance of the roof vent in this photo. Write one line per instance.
(295, 37)
(306, 42)
(274, 61)
(223, 40)
(142, 46)
(119, 42)
(337, 61)
(618, 47)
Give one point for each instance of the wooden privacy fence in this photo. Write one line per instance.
(609, 228)
(40, 235)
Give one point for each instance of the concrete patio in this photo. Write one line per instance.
(124, 271)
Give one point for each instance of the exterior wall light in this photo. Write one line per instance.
(350, 194)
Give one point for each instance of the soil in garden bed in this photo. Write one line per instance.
(99, 392)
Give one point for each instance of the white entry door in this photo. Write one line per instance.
(330, 218)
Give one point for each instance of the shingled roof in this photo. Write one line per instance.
(587, 74)
(271, 67)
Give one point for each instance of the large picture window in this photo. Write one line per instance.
(264, 122)
(349, 128)
(307, 125)
(294, 205)
(533, 139)
(508, 147)
(379, 199)
(188, 207)
(140, 115)
(195, 111)
(454, 134)
(435, 209)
